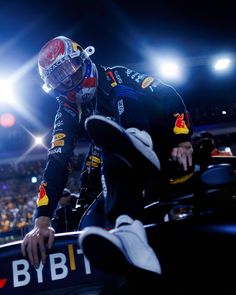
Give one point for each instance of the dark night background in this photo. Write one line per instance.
(121, 32)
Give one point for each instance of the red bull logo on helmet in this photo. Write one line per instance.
(50, 52)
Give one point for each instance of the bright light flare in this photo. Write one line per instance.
(38, 140)
(167, 65)
(222, 64)
(6, 91)
(7, 120)
(169, 69)
(34, 179)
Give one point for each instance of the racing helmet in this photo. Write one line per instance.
(67, 70)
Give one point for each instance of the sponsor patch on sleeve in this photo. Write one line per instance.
(42, 196)
(146, 82)
(180, 125)
(58, 136)
(57, 143)
(93, 162)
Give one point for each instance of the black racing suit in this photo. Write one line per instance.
(133, 100)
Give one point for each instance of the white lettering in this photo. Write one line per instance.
(56, 64)
(128, 72)
(86, 263)
(21, 276)
(104, 186)
(58, 266)
(39, 271)
(140, 77)
(55, 151)
(120, 106)
(134, 75)
(118, 77)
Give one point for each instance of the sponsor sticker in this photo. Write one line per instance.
(58, 143)
(55, 151)
(58, 136)
(93, 162)
(146, 82)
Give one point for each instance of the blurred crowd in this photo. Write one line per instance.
(19, 185)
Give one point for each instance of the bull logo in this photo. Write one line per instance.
(50, 52)
(180, 125)
(42, 196)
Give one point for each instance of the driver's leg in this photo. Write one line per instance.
(123, 188)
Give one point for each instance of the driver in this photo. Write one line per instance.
(129, 98)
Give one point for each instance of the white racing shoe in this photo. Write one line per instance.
(132, 144)
(118, 249)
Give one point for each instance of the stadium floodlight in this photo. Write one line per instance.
(6, 91)
(34, 179)
(167, 63)
(169, 69)
(38, 140)
(38, 143)
(222, 64)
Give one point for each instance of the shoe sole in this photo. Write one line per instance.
(104, 255)
(112, 137)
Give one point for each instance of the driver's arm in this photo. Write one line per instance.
(53, 182)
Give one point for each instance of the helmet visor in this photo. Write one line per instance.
(66, 75)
